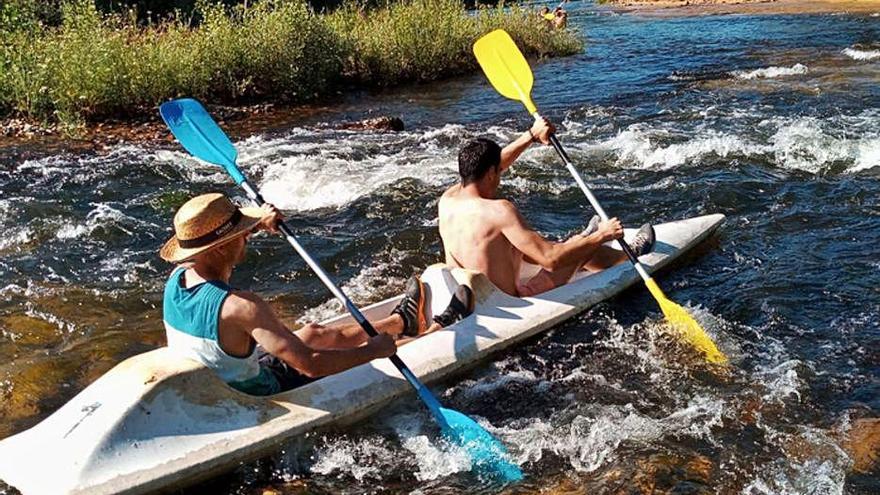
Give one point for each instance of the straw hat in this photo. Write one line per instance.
(205, 222)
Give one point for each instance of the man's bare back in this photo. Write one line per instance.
(473, 238)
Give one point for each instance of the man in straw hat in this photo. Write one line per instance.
(219, 326)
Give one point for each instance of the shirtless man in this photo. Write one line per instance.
(483, 233)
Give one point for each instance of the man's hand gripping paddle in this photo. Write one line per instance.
(510, 74)
(202, 137)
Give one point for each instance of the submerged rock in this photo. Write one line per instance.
(383, 123)
(26, 330)
(862, 444)
(644, 475)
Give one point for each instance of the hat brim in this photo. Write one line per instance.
(172, 252)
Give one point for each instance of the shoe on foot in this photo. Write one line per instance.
(460, 307)
(592, 226)
(643, 242)
(412, 308)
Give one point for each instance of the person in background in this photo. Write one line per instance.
(560, 18)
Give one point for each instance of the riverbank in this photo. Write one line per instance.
(97, 67)
(752, 7)
(22, 140)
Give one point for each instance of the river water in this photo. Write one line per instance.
(772, 120)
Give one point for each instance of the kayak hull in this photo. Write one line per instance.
(158, 421)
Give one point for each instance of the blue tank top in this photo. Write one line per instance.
(191, 317)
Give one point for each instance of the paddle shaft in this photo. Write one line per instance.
(423, 391)
(595, 202)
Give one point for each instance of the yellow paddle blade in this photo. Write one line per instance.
(505, 67)
(685, 325)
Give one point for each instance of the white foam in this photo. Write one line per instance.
(335, 169)
(867, 155)
(308, 169)
(369, 285)
(814, 465)
(590, 440)
(15, 237)
(101, 215)
(780, 381)
(192, 169)
(55, 170)
(771, 72)
(436, 460)
(48, 167)
(809, 144)
(360, 459)
(474, 389)
(634, 145)
(435, 457)
(641, 344)
(857, 54)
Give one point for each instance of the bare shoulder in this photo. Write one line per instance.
(242, 306)
(503, 209)
(450, 191)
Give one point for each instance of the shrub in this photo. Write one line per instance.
(95, 65)
(423, 40)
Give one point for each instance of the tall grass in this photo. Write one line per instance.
(423, 40)
(95, 65)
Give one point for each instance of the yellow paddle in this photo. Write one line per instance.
(510, 74)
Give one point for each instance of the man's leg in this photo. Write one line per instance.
(546, 280)
(604, 257)
(600, 259)
(349, 335)
(346, 335)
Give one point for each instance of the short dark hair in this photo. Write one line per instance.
(476, 158)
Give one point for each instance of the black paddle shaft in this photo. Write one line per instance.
(562, 154)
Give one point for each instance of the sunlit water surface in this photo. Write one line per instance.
(773, 121)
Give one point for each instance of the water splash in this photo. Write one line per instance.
(771, 72)
(857, 54)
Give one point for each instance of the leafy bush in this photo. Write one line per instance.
(423, 40)
(94, 65)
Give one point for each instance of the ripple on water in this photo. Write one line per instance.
(338, 167)
(840, 143)
(861, 54)
(771, 72)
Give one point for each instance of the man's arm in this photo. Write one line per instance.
(247, 312)
(552, 255)
(540, 131)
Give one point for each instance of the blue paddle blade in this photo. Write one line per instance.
(488, 455)
(200, 135)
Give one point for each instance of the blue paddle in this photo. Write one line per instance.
(202, 137)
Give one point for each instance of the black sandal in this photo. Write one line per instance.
(460, 307)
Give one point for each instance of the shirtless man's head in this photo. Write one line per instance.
(479, 162)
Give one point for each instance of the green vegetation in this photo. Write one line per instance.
(93, 65)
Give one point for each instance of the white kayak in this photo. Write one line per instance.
(157, 421)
